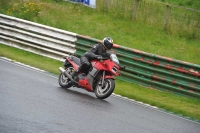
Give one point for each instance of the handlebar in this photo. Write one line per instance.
(122, 67)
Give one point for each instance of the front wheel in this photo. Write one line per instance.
(105, 90)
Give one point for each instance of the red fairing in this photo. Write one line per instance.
(75, 66)
(84, 83)
(106, 65)
(109, 77)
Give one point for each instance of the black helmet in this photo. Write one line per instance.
(107, 42)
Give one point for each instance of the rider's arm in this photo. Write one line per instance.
(106, 54)
(98, 50)
(91, 54)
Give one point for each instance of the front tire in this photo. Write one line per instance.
(105, 90)
(63, 80)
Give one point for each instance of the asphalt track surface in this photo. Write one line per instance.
(31, 101)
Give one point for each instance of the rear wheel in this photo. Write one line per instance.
(105, 90)
(63, 80)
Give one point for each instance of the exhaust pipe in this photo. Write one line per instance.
(63, 71)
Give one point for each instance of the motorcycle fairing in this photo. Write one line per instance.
(88, 81)
(106, 65)
(94, 72)
(74, 61)
(84, 83)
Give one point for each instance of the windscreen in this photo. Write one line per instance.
(114, 58)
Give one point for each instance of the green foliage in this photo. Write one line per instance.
(179, 21)
(98, 24)
(186, 3)
(3, 2)
(134, 34)
(27, 10)
(58, 0)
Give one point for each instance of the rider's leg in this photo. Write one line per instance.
(85, 64)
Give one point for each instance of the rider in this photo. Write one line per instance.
(98, 51)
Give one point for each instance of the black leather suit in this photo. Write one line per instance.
(96, 51)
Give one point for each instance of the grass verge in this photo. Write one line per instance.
(184, 106)
(98, 24)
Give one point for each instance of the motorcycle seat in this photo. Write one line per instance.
(76, 60)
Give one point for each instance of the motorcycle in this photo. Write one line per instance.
(99, 79)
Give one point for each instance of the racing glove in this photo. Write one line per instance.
(99, 57)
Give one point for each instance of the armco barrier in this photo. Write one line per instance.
(143, 68)
(36, 38)
(151, 70)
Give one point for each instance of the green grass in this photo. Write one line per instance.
(142, 36)
(168, 101)
(186, 3)
(83, 20)
(127, 33)
(181, 22)
(30, 59)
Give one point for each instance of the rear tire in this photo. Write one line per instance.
(106, 90)
(63, 80)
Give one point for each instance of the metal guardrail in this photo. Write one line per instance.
(153, 71)
(36, 38)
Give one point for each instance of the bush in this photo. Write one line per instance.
(26, 10)
(58, 0)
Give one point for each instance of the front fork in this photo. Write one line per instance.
(103, 77)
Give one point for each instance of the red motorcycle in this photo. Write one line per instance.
(99, 79)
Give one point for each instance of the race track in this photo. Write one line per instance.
(31, 101)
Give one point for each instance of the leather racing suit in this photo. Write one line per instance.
(96, 52)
